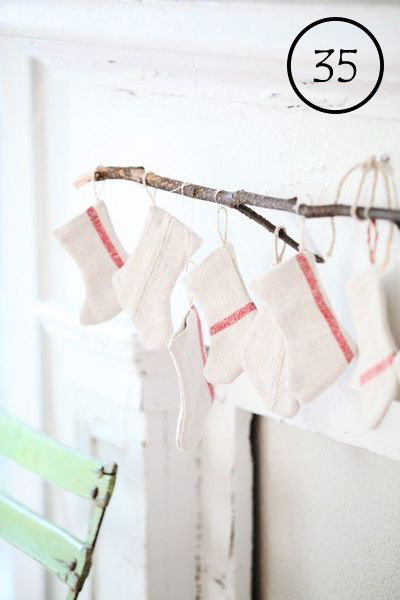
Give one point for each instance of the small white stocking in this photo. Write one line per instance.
(145, 283)
(378, 383)
(91, 240)
(196, 395)
(217, 286)
(318, 348)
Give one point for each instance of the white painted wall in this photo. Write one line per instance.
(199, 91)
(329, 518)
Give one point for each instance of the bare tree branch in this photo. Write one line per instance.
(234, 199)
(239, 199)
(252, 214)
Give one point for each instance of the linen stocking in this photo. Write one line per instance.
(318, 348)
(91, 240)
(264, 361)
(391, 290)
(217, 286)
(145, 283)
(378, 382)
(196, 395)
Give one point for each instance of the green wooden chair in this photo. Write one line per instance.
(60, 552)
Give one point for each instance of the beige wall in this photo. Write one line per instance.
(329, 518)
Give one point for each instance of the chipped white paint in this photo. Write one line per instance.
(198, 90)
(335, 414)
(172, 509)
(230, 43)
(127, 408)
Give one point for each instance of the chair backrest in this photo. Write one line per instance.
(59, 551)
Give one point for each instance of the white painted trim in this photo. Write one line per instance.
(129, 402)
(192, 512)
(227, 507)
(334, 414)
(164, 25)
(157, 46)
(116, 341)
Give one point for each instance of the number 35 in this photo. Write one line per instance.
(322, 63)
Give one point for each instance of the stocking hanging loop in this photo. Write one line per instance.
(278, 255)
(297, 208)
(189, 241)
(378, 168)
(151, 195)
(372, 228)
(386, 171)
(189, 232)
(365, 166)
(96, 193)
(223, 233)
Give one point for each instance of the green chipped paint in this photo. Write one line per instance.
(60, 552)
(62, 466)
(55, 548)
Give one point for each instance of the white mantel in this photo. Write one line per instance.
(198, 90)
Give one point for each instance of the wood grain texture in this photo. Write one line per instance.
(241, 197)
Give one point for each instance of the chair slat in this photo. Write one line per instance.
(58, 464)
(60, 552)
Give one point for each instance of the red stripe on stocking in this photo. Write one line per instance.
(236, 316)
(103, 235)
(324, 308)
(376, 369)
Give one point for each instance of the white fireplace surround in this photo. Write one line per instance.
(83, 81)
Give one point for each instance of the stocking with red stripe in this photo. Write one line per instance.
(196, 395)
(318, 348)
(218, 287)
(145, 283)
(91, 240)
(378, 383)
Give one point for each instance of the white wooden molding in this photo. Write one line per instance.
(198, 506)
(336, 414)
(197, 49)
(126, 400)
(114, 342)
(181, 523)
